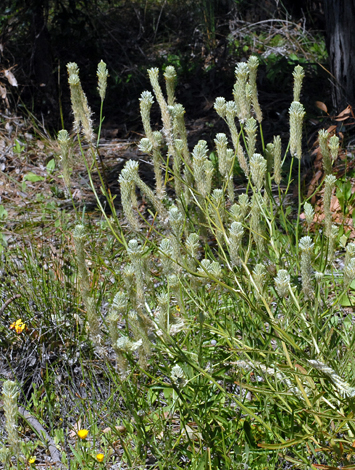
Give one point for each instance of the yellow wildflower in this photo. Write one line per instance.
(18, 326)
(100, 457)
(32, 460)
(83, 433)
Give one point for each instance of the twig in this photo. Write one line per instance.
(32, 421)
(274, 20)
(8, 302)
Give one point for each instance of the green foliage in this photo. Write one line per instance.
(3, 213)
(50, 165)
(221, 340)
(33, 178)
(280, 49)
(345, 195)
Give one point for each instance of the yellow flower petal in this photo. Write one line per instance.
(19, 328)
(100, 457)
(83, 433)
(32, 460)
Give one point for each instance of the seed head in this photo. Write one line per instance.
(282, 282)
(102, 74)
(306, 245)
(134, 249)
(349, 272)
(323, 136)
(334, 147)
(298, 75)
(220, 107)
(277, 159)
(119, 302)
(258, 166)
(253, 64)
(192, 244)
(145, 145)
(250, 129)
(178, 376)
(125, 344)
(10, 393)
(309, 213)
(297, 114)
(242, 95)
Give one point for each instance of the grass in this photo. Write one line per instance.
(223, 341)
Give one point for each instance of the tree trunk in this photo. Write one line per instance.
(340, 20)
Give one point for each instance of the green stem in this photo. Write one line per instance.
(299, 204)
(120, 240)
(100, 125)
(262, 137)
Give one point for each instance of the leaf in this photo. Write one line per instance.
(347, 301)
(249, 434)
(119, 429)
(19, 147)
(3, 212)
(302, 369)
(191, 433)
(168, 393)
(331, 129)
(289, 443)
(327, 467)
(32, 177)
(322, 106)
(51, 165)
(10, 78)
(77, 455)
(345, 114)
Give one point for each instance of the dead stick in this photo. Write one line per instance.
(8, 302)
(32, 421)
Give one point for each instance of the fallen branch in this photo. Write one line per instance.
(3, 307)
(32, 421)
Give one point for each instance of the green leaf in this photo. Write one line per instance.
(277, 41)
(77, 455)
(18, 147)
(284, 445)
(32, 177)
(168, 393)
(341, 198)
(347, 301)
(51, 165)
(3, 212)
(347, 189)
(249, 434)
(203, 462)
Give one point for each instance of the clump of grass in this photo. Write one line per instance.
(229, 344)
